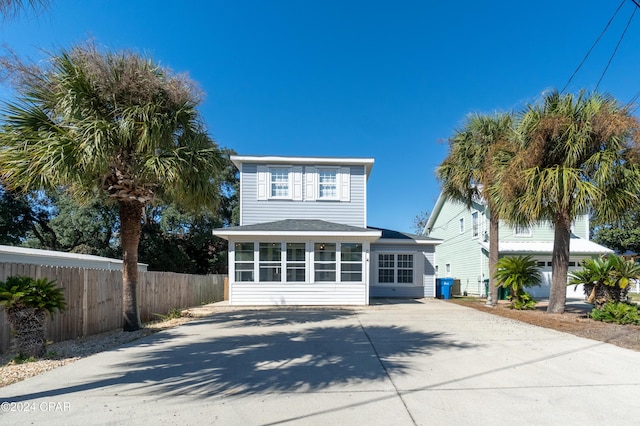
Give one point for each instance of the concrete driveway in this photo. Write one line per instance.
(416, 362)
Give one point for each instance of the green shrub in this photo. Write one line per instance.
(618, 313)
(27, 302)
(524, 301)
(516, 274)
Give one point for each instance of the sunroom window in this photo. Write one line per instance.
(270, 262)
(351, 262)
(325, 261)
(244, 261)
(296, 262)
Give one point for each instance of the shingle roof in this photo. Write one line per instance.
(388, 234)
(298, 227)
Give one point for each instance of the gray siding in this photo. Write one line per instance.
(298, 294)
(425, 280)
(252, 211)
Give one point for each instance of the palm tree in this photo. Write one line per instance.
(606, 279)
(27, 302)
(576, 154)
(517, 273)
(476, 154)
(115, 123)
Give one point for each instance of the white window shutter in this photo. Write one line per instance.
(297, 183)
(345, 184)
(310, 183)
(263, 173)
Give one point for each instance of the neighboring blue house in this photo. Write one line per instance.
(464, 253)
(303, 237)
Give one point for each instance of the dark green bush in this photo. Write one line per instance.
(618, 313)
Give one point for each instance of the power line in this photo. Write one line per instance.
(617, 45)
(595, 43)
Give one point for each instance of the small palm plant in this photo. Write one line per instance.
(606, 279)
(516, 274)
(27, 302)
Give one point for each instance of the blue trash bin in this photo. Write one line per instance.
(445, 284)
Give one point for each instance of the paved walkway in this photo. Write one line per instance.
(422, 362)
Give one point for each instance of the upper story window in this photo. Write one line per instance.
(280, 185)
(327, 184)
(461, 225)
(522, 231)
(279, 182)
(475, 225)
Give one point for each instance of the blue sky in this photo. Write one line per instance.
(390, 80)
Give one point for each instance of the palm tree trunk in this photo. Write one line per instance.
(560, 266)
(494, 250)
(130, 227)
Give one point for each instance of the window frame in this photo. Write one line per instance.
(391, 263)
(475, 225)
(336, 184)
(270, 264)
(237, 262)
(270, 183)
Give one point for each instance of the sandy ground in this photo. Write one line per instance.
(575, 320)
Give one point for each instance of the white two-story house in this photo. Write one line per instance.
(464, 253)
(303, 237)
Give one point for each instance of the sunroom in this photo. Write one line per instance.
(298, 262)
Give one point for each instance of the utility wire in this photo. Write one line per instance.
(594, 44)
(617, 45)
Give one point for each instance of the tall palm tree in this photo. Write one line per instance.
(577, 154)
(477, 152)
(111, 122)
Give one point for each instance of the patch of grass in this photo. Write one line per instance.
(172, 314)
(21, 359)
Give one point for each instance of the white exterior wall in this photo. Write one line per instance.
(252, 210)
(298, 294)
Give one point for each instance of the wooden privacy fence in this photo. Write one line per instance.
(94, 297)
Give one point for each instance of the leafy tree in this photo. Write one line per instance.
(15, 215)
(27, 302)
(89, 120)
(477, 153)
(622, 235)
(576, 153)
(517, 273)
(60, 223)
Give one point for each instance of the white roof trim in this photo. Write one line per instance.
(576, 246)
(316, 161)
